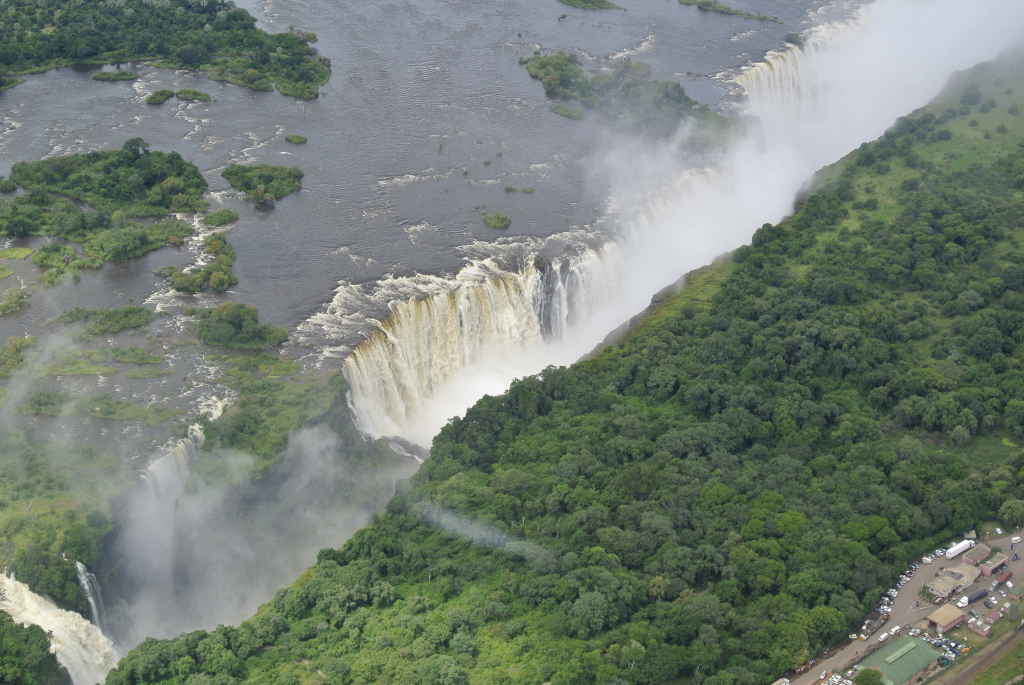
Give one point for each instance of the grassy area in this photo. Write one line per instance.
(721, 8)
(296, 139)
(15, 253)
(106, 406)
(1009, 667)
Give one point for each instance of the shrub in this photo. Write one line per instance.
(221, 217)
(159, 97)
(497, 221)
(236, 326)
(189, 95)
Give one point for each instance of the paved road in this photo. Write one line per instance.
(908, 609)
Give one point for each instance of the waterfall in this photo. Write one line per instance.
(91, 589)
(80, 646)
(493, 317)
(432, 354)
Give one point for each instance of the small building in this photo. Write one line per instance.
(994, 565)
(978, 554)
(946, 617)
(993, 616)
(1004, 576)
(952, 579)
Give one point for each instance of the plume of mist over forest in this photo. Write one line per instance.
(194, 555)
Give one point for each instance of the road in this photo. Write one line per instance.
(908, 609)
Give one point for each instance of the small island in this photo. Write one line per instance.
(591, 4)
(296, 139)
(189, 95)
(114, 76)
(263, 184)
(497, 221)
(159, 97)
(624, 94)
(721, 8)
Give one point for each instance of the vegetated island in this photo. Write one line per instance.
(624, 94)
(591, 4)
(159, 97)
(213, 36)
(190, 95)
(114, 76)
(721, 8)
(264, 183)
(730, 487)
(215, 275)
(296, 139)
(497, 221)
(91, 199)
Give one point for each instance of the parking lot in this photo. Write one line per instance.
(905, 610)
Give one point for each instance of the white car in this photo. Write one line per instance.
(1015, 540)
(883, 637)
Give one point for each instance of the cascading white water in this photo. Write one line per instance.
(91, 589)
(80, 646)
(490, 318)
(434, 356)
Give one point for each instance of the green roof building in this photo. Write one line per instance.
(901, 660)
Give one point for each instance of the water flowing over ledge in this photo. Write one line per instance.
(80, 646)
(441, 343)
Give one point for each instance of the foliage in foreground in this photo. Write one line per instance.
(212, 35)
(25, 656)
(727, 490)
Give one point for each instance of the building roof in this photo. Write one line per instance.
(945, 614)
(952, 579)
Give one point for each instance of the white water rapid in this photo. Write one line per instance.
(80, 646)
(436, 354)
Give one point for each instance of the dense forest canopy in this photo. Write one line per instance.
(212, 35)
(730, 488)
(25, 657)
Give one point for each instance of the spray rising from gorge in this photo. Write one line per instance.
(439, 350)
